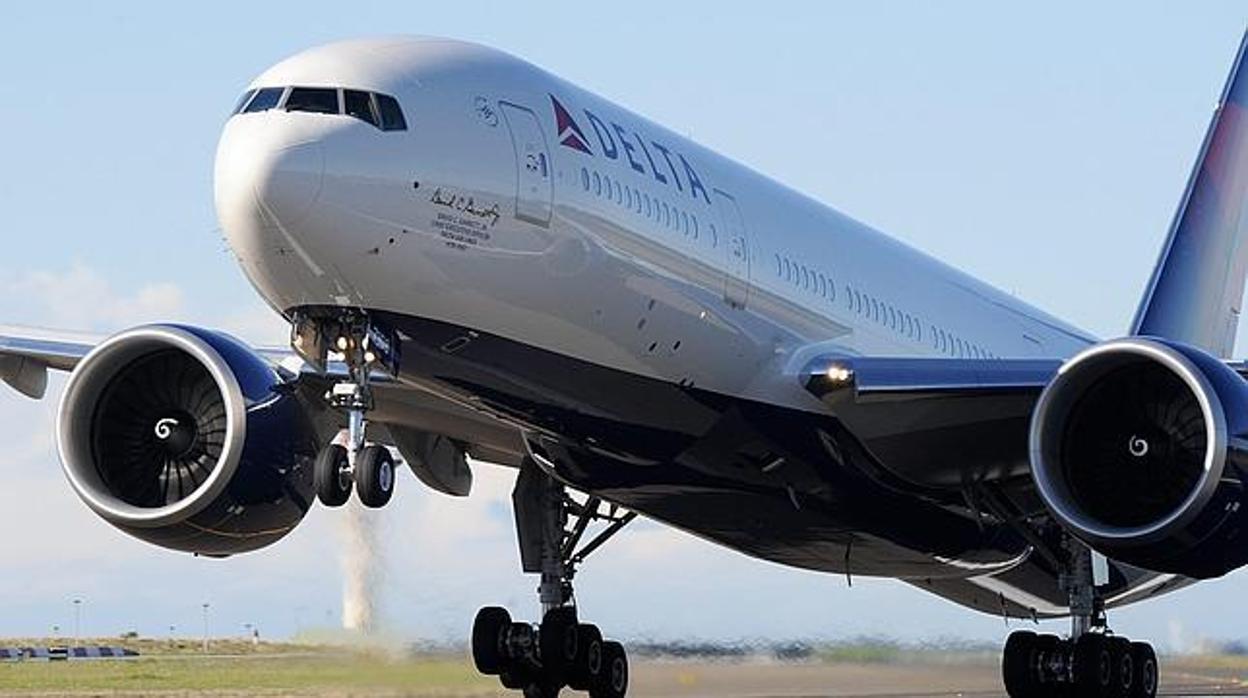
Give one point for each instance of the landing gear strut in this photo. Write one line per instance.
(560, 651)
(339, 466)
(1092, 663)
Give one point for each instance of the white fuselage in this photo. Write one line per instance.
(593, 233)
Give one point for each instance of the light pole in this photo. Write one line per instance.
(205, 627)
(77, 622)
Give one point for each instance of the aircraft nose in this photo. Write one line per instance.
(277, 181)
(288, 181)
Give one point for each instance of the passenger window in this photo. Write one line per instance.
(619, 195)
(628, 196)
(649, 212)
(779, 267)
(360, 105)
(585, 179)
(264, 100)
(684, 223)
(391, 115)
(788, 270)
(694, 219)
(242, 101)
(318, 100)
(597, 184)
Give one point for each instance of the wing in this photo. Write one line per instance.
(26, 354)
(934, 422)
(961, 426)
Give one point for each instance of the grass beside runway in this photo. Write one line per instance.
(240, 669)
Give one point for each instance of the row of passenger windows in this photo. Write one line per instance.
(380, 110)
(803, 277)
(653, 208)
(899, 321)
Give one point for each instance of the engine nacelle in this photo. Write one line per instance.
(1137, 449)
(187, 439)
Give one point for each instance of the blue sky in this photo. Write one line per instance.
(1043, 151)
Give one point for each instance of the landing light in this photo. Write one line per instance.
(839, 374)
(342, 343)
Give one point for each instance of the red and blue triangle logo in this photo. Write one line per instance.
(570, 134)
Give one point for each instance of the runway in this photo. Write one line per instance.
(280, 671)
(659, 679)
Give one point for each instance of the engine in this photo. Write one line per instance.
(187, 439)
(1137, 449)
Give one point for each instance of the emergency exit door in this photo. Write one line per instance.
(534, 180)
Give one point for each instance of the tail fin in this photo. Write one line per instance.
(1197, 287)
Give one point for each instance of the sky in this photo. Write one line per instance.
(1043, 150)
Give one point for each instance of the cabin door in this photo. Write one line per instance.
(534, 179)
(737, 249)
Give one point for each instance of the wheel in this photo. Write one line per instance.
(587, 666)
(1094, 666)
(1123, 678)
(613, 680)
(557, 641)
(1016, 665)
(488, 637)
(514, 678)
(332, 486)
(374, 476)
(1046, 647)
(1147, 673)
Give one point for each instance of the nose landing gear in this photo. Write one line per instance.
(560, 651)
(367, 467)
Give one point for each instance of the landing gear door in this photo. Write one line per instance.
(534, 179)
(736, 248)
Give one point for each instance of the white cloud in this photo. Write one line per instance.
(80, 298)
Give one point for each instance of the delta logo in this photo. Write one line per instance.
(570, 134)
(638, 152)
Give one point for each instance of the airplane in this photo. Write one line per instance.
(481, 261)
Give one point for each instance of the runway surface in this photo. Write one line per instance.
(816, 680)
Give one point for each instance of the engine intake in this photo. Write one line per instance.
(185, 438)
(1135, 449)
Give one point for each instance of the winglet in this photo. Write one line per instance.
(1197, 287)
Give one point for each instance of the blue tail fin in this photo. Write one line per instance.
(1197, 287)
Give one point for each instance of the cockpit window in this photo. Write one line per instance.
(391, 115)
(360, 105)
(242, 101)
(264, 99)
(319, 100)
(382, 111)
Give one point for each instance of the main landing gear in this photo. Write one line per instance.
(1093, 663)
(369, 467)
(542, 658)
